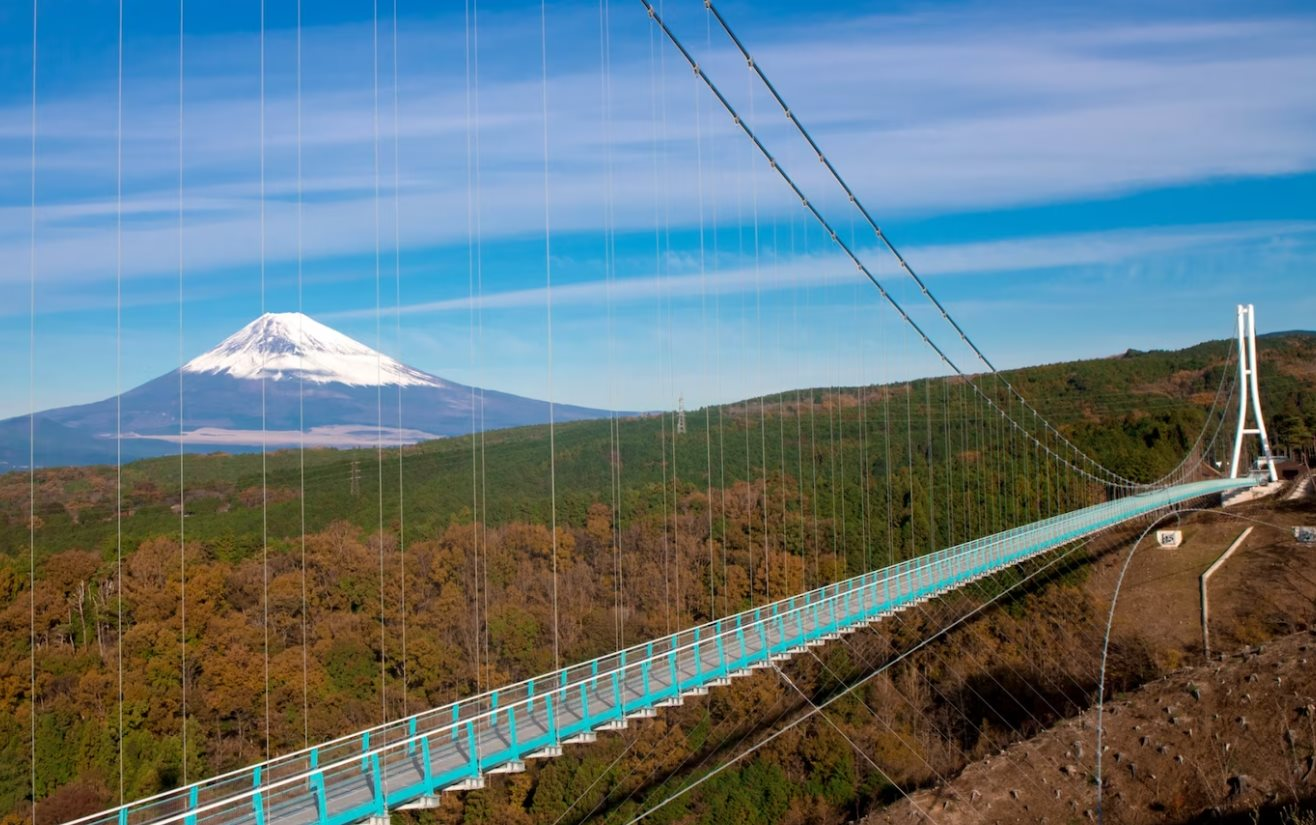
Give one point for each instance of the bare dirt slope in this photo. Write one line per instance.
(1265, 589)
(1230, 736)
(1236, 734)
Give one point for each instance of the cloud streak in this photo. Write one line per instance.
(1016, 256)
(931, 113)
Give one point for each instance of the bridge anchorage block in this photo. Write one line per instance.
(473, 783)
(515, 766)
(785, 656)
(642, 713)
(673, 702)
(421, 803)
(588, 737)
(744, 671)
(818, 642)
(614, 724)
(721, 681)
(798, 649)
(702, 690)
(548, 752)
(760, 665)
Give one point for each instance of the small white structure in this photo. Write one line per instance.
(1305, 535)
(1169, 538)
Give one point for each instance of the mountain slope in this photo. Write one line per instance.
(281, 380)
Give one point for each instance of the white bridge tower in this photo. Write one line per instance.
(1247, 393)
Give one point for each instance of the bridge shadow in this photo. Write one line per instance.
(1021, 700)
(1302, 812)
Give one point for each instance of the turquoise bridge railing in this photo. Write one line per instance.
(405, 763)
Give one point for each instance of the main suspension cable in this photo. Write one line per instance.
(886, 241)
(1111, 478)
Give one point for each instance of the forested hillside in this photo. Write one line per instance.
(447, 545)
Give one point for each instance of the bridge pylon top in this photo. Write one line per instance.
(1248, 395)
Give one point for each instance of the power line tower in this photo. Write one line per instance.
(680, 415)
(356, 478)
(1247, 392)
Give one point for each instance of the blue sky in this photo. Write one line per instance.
(1070, 182)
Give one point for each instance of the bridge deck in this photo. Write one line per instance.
(408, 761)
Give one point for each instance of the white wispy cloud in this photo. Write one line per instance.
(925, 113)
(1018, 255)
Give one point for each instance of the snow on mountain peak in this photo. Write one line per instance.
(289, 345)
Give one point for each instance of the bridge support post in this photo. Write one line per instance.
(321, 798)
(377, 782)
(1247, 392)
(257, 799)
(427, 763)
(190, 819)
(473, 747)
(699, 658)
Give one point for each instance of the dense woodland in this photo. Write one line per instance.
(447, 546)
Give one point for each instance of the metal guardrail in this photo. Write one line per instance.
(363, 775)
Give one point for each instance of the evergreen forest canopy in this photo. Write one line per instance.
(755, 500)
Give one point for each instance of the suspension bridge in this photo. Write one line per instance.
(408, 762)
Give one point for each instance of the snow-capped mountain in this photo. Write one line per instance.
(282, 380)
(292, 346)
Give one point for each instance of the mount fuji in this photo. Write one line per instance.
(321, 389)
